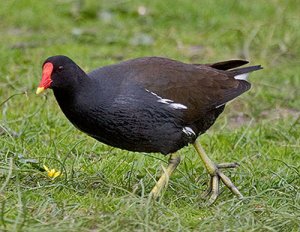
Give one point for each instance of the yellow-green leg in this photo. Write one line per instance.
(215, 175)
(174, 161)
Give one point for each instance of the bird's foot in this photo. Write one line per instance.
(215, 176)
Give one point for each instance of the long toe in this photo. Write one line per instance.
(230, 185)
(207, 192)
(228, 165)
(214, 189)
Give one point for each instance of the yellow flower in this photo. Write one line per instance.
(52, 173)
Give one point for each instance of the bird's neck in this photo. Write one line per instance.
(67, 94)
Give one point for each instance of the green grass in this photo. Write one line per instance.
(106, 189)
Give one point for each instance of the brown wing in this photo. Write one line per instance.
(200, 88)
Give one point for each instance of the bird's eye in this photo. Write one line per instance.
(60, 68)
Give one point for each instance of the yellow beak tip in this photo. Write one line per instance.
(39, 90)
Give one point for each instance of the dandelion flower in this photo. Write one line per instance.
(52, 173)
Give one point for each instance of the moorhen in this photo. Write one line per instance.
(149, 104)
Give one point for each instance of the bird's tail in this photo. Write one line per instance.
(239, 71)
(243, 73)
(228, 64)
(230, 67)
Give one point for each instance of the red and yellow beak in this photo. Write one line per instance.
(46, 78)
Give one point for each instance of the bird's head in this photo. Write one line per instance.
(58, 72)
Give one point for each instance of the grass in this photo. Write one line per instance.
(106, 189)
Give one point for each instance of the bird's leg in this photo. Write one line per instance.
(174, 161)
(215, 174)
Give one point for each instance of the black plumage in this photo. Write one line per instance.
(149, 104)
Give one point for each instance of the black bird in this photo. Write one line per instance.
(149, 104)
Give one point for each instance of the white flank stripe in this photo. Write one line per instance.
(242, 76)
(220, 105)
(189, 131)
(165, 101)
(171, 103)
(178, 106)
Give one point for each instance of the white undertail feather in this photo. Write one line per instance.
(243, 76)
